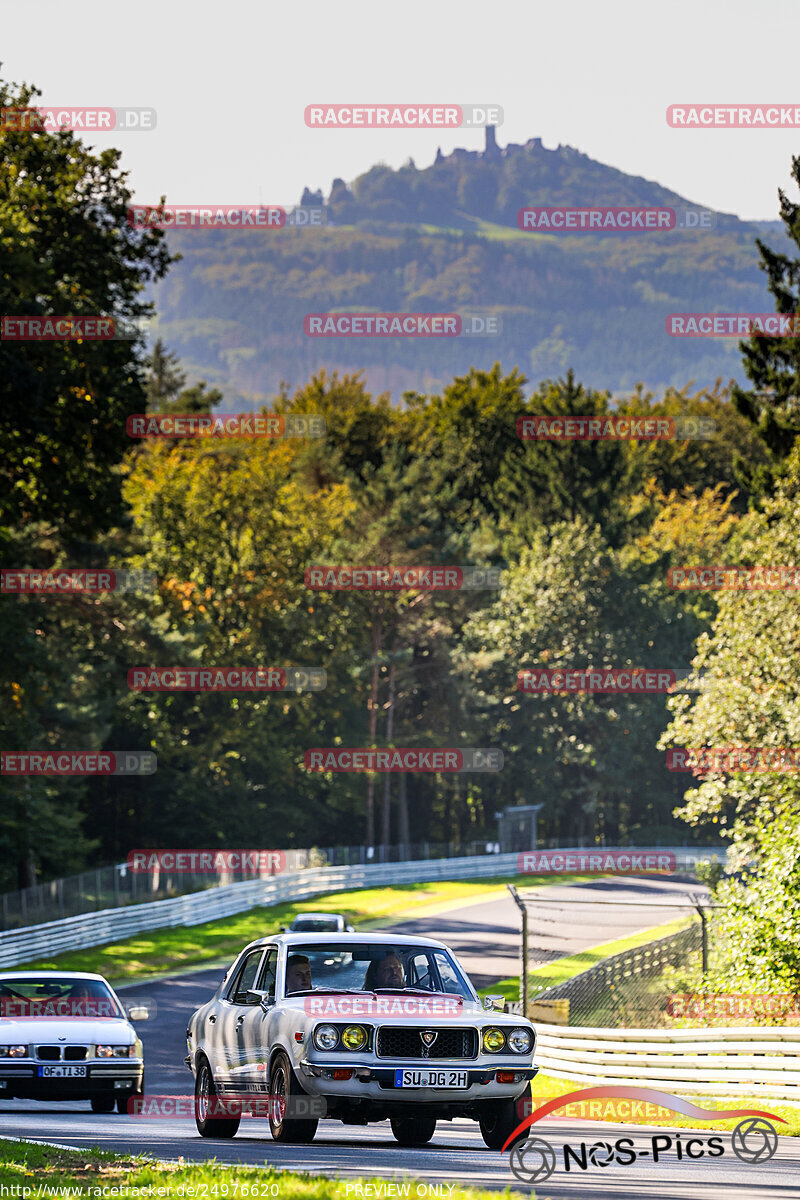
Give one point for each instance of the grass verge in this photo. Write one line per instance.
(163, 951)
(39, 1171)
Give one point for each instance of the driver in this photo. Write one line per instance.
(386, 972)
(298, 974)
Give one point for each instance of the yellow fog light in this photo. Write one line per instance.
(493, 1040)
(354, 1037)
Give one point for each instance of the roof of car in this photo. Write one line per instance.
(51, 975)
(317, 916)
(381, 939)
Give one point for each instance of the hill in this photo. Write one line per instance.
(446, 239)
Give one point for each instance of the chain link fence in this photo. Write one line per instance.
(117, 886)
(633, 987)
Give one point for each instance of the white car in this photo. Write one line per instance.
(364, 1028)
(65, 1035)
(316, 922)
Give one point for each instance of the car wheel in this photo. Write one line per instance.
(413, 1131)
(124, 1101)
(204, 1094)
(498, 1121)
(284, 1088)
(102, 1104)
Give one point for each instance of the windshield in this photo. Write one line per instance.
(316, 925)
(369, 967)
(56, 996)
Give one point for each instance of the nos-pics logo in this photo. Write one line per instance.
(753, 1141)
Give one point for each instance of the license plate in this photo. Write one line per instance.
(62, 1072)
(437, 1079)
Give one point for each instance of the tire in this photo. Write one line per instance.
(102, 1104)
(124, 1101)
(413, 1131)
(284, 1083)
(499, 1120)
(205, 1091)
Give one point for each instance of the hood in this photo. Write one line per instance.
(79, 1031)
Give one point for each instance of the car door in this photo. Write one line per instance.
(231, 1016)
(253, 1028)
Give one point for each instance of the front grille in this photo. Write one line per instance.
(402, 1042)
(75, 1053)
(48, 1053)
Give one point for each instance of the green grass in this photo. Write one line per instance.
(28, 1165)
(546, 1087)
(562, 969)
(162, 951)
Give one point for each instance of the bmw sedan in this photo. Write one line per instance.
(64, 1035)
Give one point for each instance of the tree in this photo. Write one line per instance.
(67, 249)
(772, 364)
(751, 659)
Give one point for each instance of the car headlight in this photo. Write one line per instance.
(13, 1051)
(354, 1037)
(326, 1037)
(493, 1040)
(520, 1041)
(114, 1051)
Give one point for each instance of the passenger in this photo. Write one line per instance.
(298, 974)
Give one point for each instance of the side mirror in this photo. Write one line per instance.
(349, 929)
(265, 999)
(138, 1013)
(283, 929)
(495, 1002)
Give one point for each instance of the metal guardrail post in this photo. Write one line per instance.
(523, 975)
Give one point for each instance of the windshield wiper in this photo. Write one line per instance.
(406, 990)
(330, 991)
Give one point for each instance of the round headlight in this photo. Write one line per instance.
(520, 1041)
(326, 1037)
(493, 1040)
(354, 1037)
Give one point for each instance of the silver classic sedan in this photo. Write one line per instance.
(366, 1028)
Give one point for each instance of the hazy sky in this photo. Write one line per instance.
(230, 82)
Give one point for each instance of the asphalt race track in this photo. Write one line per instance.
(457, 1154)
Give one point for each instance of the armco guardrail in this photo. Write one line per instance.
(730, 1061)
(112, 924)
